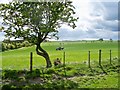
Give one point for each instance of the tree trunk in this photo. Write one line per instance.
(48, 62)
(40, 51)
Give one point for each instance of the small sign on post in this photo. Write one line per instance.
(31, 55)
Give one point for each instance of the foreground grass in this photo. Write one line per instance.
(72, 76)
(76, 52)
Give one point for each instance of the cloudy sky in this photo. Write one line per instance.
(97, 19)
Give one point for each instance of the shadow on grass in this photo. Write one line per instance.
(102, 69)
(39, 78)
(91, 69)
(35, 80)
(114, 66)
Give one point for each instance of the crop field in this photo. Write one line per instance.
(76, 52)
(76, 73)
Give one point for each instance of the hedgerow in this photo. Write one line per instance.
(14, 45)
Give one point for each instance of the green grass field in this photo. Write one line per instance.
(15, 65)
(76, 52)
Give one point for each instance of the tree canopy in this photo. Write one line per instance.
(36, 21)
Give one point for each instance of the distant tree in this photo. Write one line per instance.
(36, 21)
(101, 39)
(111, 40)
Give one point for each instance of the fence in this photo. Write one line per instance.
(100, 57)
(89, 59)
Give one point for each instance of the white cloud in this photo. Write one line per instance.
(96, 20)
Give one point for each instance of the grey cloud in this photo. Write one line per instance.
(109, 10)
(119, 10)
(112, 10)
(108, 25)
(70, 35)
(77, 34)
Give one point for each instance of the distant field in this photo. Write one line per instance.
(75, 52)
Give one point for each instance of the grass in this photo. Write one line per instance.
(76, 52)
(78, 74)
(15, 65)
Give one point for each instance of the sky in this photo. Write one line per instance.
(97, 19)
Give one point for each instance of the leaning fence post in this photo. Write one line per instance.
(89, 59)
(31, 54)
(110, 57)
(100, 57)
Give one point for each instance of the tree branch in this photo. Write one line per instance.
(45, 36)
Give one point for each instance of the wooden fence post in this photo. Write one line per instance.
(63, 58)
(100, 57)
(110, 57)
(64, 63)
(31, 55)
(89, 59)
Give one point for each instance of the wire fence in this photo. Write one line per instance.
(88, 57)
